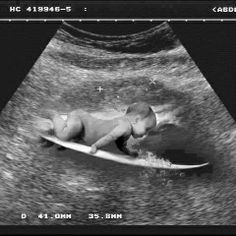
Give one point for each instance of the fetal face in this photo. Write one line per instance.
(142, 127)
(163, 132)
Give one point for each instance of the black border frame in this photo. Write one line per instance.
(16, 62)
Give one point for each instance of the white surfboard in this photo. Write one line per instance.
(124, 159)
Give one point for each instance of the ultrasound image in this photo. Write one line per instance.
(103, 74)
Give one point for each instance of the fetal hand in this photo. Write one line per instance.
(93, 149)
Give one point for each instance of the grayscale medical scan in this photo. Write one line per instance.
(118, 116)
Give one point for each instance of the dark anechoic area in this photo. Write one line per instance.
(66, 76)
